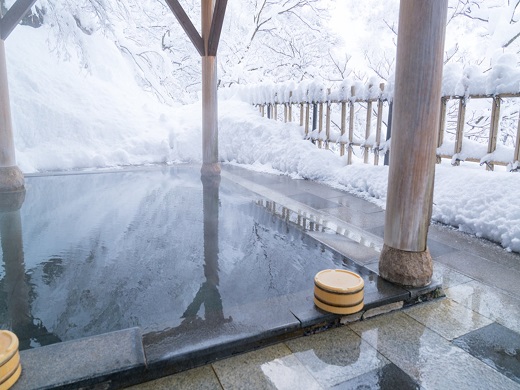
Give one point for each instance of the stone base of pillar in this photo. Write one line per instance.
(11, 179)
(11, 200)
(414, 269)
(212, 169)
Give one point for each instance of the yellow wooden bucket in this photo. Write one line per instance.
(10, 367)
(338, 291)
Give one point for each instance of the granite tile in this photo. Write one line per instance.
(427, 357)
(483, 270)
(202, 378)
(383, 309)
(269, 368)
(495, 345)
(320, 189)
(437, 248)
(475, 245)
(447, 276)
(336, 355)
(447, 318)
(389, 377)
(303, 308)
(362, 220)
(107, 358)
(241, 328)
(378, 231)
(353, 250)
(357, 203)
(489, 302)
(313, 201)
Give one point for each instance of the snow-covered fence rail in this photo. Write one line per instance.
(480, 115)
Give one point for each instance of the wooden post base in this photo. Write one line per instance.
(11, 179)
(406, 268)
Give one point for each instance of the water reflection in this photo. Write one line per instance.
(16, 285)
(208, 293)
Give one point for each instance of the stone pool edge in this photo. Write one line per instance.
(117, 359)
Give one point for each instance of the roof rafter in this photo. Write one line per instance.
(187, 25)
(13, 16)
(216, 26)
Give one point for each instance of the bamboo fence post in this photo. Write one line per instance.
(351, 125)
(516, 157)
(461, 119)
(320, 126)
(493, 130)
(290, 106)
(327, 124)
(307, 113)
(379, 124)
(367, 129)
(405, 258)
(442, 125)
(343, 122)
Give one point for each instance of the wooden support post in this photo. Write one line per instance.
(11, 177)
(405, 258)
(379, 124)
(493, 130)
(442, 125)
(210, 163)
(275, 111)
(301, 114)
(285, 111)
(343, 123)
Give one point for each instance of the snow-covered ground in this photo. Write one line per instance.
(67, 117)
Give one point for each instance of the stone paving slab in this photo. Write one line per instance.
(426, 356)
(495, 345)
(114, 357)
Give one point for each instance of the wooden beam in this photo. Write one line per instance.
(13, 16)
(186, 24)
(216, 26)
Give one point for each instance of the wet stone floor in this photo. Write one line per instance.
(409, 349)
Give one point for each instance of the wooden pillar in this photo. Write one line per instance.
(11, 178)
(210, 162)
(405, 258)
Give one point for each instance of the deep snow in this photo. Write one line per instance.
(67, 117)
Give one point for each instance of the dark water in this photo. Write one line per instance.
(154, 248)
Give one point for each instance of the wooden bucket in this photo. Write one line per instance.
(339, 291)
(10, 367)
